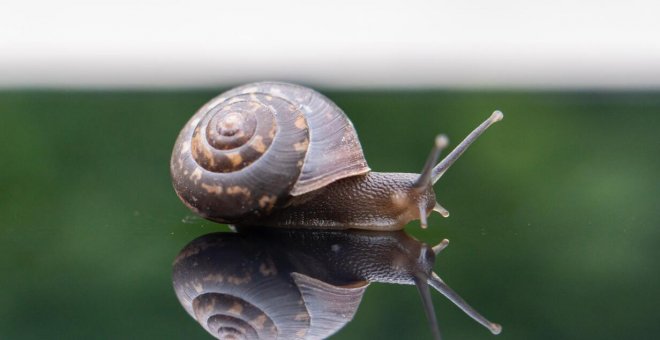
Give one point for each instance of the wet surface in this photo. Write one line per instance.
(292, 283)
(553, 227)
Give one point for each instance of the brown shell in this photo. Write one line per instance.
(251, 148)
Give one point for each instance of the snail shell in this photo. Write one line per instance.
(252, 148)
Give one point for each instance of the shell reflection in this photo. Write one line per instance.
(284, 284)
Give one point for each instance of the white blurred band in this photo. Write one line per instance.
(481, 43)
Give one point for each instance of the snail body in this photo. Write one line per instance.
(284, 284)
(282, 155)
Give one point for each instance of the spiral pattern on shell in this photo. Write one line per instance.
(232, 136)
(243, 153)
(248, 150)
(230, 317)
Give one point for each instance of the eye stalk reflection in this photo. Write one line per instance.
(283, 284)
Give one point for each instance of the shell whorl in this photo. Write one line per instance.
(232, 136)
(230, 317)
(250, 149)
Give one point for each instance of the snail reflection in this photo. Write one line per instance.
(287, 284)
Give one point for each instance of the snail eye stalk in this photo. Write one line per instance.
(436, 282)
(423, 287)
(424, 179)
(449, 160)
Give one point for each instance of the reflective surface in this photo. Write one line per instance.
(553, 227)
(286, 284)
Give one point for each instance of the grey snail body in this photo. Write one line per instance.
(287, 284)
(283, 155)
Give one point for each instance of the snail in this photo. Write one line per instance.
(283, 155)
(278, 283)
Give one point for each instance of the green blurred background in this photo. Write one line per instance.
(553, 228)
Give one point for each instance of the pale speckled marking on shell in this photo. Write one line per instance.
(301, 333)
(259, 321)
(235, 190)
(271, 133)
(259, 145)
(200, 152)
(301, 317)
(300, 123)
(235, 158)
(212, 189)
(268, 268)
(236, 308)
(194, 122)
(255, 105)
(196, 248)
(215, 278)
(196, 175)
(237, 280)
(209, 307)
(198, 286)
(301, 146)
(267, 202)
(185, 147)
